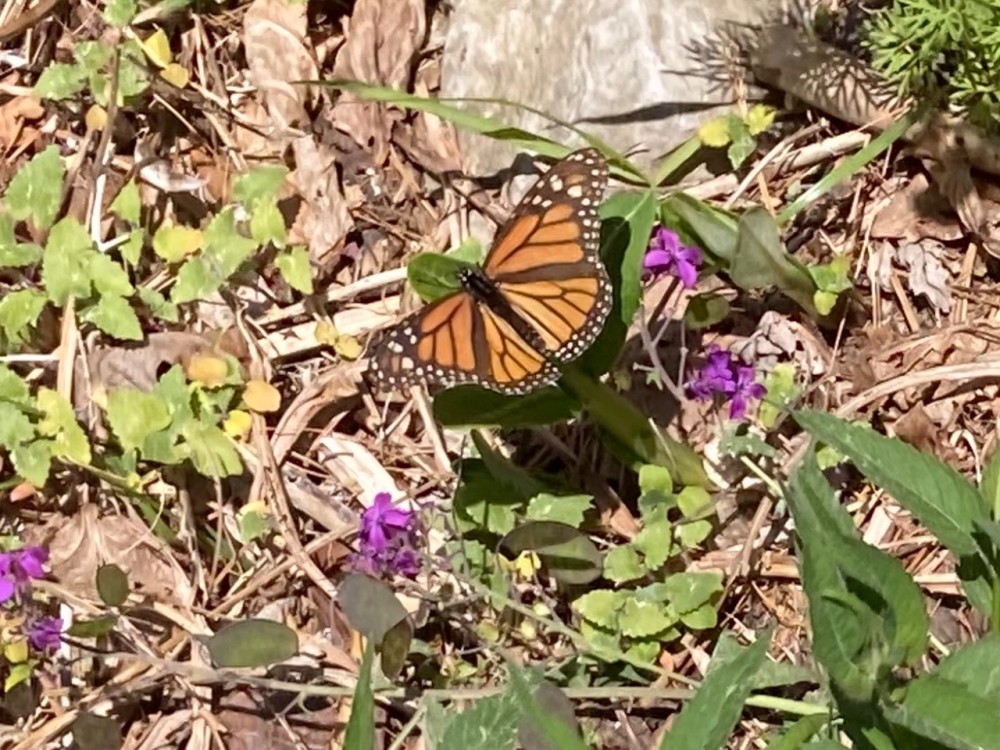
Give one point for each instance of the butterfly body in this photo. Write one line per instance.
(539, 300)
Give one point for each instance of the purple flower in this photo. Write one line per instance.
(45, 633)
(17, 569)
(666, 254)
(387, 541)
(724, 375)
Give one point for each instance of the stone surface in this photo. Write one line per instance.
(640, 74)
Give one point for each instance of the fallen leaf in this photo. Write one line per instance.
(928, 275)
(261, 397)
(916, 211)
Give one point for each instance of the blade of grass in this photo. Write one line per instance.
(488, 126)
(851, 165)
(673, 161)
(360, 733)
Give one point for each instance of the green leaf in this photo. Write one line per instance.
(469, 405)
(120, 12)
(568, 555)
(976, 666)
(743, 145)
(623, 564)
(654, 478)
(12, 252)
(433, 276)
(715, 229)
(954, 710)
(66, 261)
(761, 261)
(989, 488)
(212, 451)
(707, 720)
(295, 269)
(642, 619)
(268, 225)
(127, 203)
(759, 118)
(252, 643)
(158, 304)
(370, 606)
(115, 316)
(936, 494)
(15, 427)
(196, 279)
(489, 724)
(549, 721)
(482, 503)
(59, 422)
(112, 585)
(33, 461)
(800, 733)
(131, 249)
(19, 311)
(36, 190)
(260, 184)
(109, 277)
(689, 591)
(567, 509)
(704, 617)
(360, 732)
(133, 415)
(634, 213)
(601, 607)
(175, 243)
(705, 310)
(13, 388)
(782, 390)
(93, 628)
(656, 542)
(60, 81)
(226, 244)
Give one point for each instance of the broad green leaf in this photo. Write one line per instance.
(127, 203)
(782, 390)
(268, 225)
(549, 721)
(158, 304)
(655, 478)
(692, 533)
(656, 543)
(131, 249)
(66, 261)
(568, 555)
(19, 311)
(133, 415)
(395, 647)
(483, 504)
(196, 279)
(370, 606)
(225, 244)
(707, 720)
(61, 81)
(760, 260)
(488, 724)
(12, 252)
(634, 213)
(35, 192)
(175, 243)
(641, 619)
(935, 493)
(259, 184)
(743, 146)
(15, 427)
(360, 732)
(13, 388)
(469, 405)
(976, 666)
(112, 585)
(623, 564)
(120, 12)
(296, 269)
(714, 229)
(990, 485)
(506, 472)
(109, 277)
(940, 717)
(94, 628)
(33, 461)
(212, 451)
(433, 276)
(705, 310)
(252, 643)
(704, 617)
(600, 607)
(115, 316)
(689, 591)
(59, 423)
(93, 55)
(567, 509)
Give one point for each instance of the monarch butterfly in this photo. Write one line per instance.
(539, 300)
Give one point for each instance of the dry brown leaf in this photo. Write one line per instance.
(80, 545)
(928, 275)
(279, 52)
(14, 114)
(383, 40)
(915, 212)
(323, 220)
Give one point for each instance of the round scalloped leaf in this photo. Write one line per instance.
(370, 606)
(252, 643)
(112, 585)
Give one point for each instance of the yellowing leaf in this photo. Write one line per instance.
(347, 347)
(176, 75)
(173, 244)
(237, 425)
(208, 370)
(96, 117)
(715, 133)
(16, 651)
(759, 118)
(326, 333)
(527, 564)
(261, 396)
(157, 48)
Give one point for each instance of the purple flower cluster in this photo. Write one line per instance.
(666, 255)
(725, 375)
(18, 568)
(388, 539)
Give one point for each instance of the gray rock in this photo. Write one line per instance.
(639, 74)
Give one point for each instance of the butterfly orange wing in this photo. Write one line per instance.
(546, 261)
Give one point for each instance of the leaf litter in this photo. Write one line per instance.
(362, 194)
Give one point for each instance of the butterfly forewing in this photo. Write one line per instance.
(546, 261)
